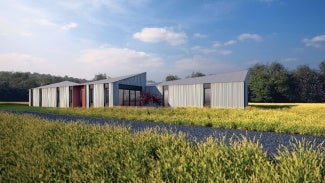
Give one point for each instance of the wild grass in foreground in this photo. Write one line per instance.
(286, 118)
(35, 150)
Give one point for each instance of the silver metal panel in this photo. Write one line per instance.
(35, 97)
(228, 95)
(87, 96)
(185, 95)
(99, 95)
(49, 97)
(64, 96)
(30, 97)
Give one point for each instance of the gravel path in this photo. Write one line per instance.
(270, 140)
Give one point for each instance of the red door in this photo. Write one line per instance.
(83, 97)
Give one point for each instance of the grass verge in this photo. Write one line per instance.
(285, 118)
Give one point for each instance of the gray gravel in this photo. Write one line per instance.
(270, 141)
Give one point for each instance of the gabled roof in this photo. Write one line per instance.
(239, 76)
(112, 80)
(60, 84)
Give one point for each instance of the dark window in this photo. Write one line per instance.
(40, 97)
(70, 96)
(106, 94)
(31, 97)
(91, 95)
(57, 97)
(207, 95)
(129, 95)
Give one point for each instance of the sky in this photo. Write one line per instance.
(82, 38)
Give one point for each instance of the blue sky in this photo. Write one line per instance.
(117, 37)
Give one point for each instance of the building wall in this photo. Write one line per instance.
(228, 95)
(138, 80)
(64, 96)
(30, 102)
(99, 95)
(36, 97)
(185, 95)
(48, 97)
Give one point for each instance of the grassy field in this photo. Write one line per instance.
(286, 118)
(36, 150)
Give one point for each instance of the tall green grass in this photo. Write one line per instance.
(36, 150)
(286, 118)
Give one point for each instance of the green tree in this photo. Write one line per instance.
(269, 83)
(196, 74)
(100, 76)
(171, 77)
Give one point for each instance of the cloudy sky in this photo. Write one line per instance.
(81, 38)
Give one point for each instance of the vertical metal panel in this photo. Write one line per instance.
(64, 96)
(99, 95)
(153, 90)
(186, 95)
(87, 96)
(35, 97)
(49, 97)
(228, 95)
(111, 95)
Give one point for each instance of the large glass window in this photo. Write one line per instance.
(106, 94)
(129, 95)
(207, 95)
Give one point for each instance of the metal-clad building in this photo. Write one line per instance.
(223, 90)
(124, 91)
(53, 95)
(119, 91)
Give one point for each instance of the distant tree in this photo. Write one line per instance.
(259, 88)
(100, 76)
(171, 77)
(322, 69)
(196, 74)
(309, 86)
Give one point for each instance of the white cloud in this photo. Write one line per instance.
(154, 35)
(198, 35)
(211, 50)
(246, 36)
(118, 61)
(217, 44)
(317, 41)
(69, 26)
(20, 62)
(230, 42)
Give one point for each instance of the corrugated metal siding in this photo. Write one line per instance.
(87, 96)
(49, 97)
(228, 95)
(35, 97)
(64, 96)
(99, 95)
(186, 95)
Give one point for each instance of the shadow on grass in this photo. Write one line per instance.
(270, 106)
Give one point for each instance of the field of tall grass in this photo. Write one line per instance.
(285, 118)
(36, 150)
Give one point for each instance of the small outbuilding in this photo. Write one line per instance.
(223, 90)
(124, 91)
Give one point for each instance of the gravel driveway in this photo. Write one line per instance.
(269, 140)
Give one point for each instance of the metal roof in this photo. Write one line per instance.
(112, 80)
(60, 84)
(239, 76)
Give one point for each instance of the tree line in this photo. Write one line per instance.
(266, 83)
(14, 85)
